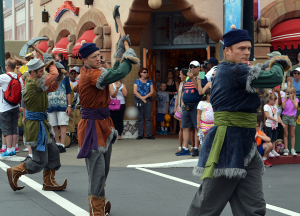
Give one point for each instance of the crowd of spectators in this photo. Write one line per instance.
(183, 97)
(12, 116)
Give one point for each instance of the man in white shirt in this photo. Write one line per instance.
(9, 113)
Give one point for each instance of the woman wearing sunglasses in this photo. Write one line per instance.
(143, 91)
(295, 82)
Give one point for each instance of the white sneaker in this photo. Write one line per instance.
(293, 152)
(25, 150)
(275, 153)
(286, 152)
(271, 155)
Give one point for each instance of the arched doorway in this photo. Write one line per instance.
(140, 14)
(139, 26)
(65, 28)
(93, 19)
(48, 31)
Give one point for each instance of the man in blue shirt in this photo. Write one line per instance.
(190, 98)
(59, 111)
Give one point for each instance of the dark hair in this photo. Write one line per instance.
(7, 55)
(141, 70)
(163, 83)
(207, 92)
(171, 71)
(258, 121)
(60, 55)
(184, 71)
(157, 71)
(28, 58)
(18, 62)
(33, 71)
(11, 64)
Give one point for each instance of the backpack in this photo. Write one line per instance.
(13, 93)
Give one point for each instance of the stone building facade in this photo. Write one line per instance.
(18, 20)
(138, 20)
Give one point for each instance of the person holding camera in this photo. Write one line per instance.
(143, 91)
(289, 115)
(190, 99)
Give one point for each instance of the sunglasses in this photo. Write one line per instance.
(193, 66)
(297, 73)
(144, 72)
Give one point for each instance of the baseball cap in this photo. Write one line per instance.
(297, 69)
(273, 54)
(213, 61)
(76, 69)
(196, 63)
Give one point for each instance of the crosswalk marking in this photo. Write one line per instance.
(54, 197)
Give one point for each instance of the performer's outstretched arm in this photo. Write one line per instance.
(269, 79)
(273, 77)
(119, 71)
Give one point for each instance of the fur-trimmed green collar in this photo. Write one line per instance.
(230, 62)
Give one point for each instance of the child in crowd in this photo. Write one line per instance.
(162, 107)
(289, 115)
(279, 94)
(264, 145)
(272, 119)
(205, 115)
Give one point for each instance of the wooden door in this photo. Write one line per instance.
(149, 62)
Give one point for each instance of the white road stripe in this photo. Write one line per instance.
(170, 177)
(271, 207)
(16, 158)
(172, 164)
(54, 197)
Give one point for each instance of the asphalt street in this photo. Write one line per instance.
(134, 192)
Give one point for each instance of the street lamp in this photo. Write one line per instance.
(154, 4)
(89, 2)
(45, 16)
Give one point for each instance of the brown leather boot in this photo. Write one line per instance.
(107, 207)
(49, 182)
(14, 174)
(97, 206)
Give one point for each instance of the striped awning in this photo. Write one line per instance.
(88, 37)
(61, 47)
(286, 35)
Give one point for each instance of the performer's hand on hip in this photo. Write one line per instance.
(69, 110)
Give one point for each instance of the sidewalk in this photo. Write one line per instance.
(130, 152)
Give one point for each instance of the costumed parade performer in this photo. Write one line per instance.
(229, 163)
(96, 132)
(38, 132)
